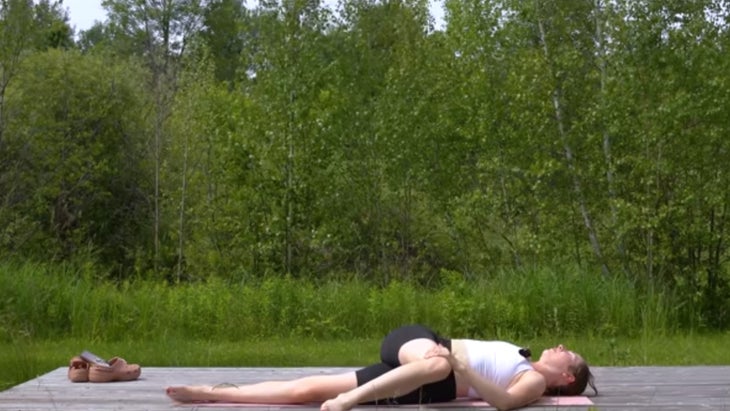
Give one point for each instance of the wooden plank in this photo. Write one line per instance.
(620, 388)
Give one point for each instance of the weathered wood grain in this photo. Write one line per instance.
(620, 388)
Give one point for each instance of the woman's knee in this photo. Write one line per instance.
(301, 393)
(415, 350)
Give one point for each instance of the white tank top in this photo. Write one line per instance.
(497, 361)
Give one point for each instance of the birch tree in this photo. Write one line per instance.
(159, 32)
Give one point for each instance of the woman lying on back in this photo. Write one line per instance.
(418, 367)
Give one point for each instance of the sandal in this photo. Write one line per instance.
(78, 370)
(118, 370)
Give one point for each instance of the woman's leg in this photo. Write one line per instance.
(414, 373)
(307, 389)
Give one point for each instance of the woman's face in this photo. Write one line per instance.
(560, 358)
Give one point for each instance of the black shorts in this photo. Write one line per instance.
(439, 391)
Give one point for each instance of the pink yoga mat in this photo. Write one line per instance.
(459, 403)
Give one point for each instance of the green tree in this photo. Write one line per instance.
(485, 118)
(289, 68)
(224, 32)
(16, 33)
(78, 166)
(24, 28)
(674, 188)
(52, 23)
(96, 37)
(372, 229)
(159, 32)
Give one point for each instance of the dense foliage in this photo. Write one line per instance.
(195, 140)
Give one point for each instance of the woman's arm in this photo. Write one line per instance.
(529, 387)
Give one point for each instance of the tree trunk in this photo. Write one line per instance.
(570, 160)
(607, 156)
(181, 217)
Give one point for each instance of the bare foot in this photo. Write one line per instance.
(190, 393)
(335, 404)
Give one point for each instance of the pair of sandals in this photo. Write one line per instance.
(84, 368)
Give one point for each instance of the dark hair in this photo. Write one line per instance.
(583, 377)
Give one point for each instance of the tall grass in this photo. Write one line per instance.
(49, 313)
(48, 302)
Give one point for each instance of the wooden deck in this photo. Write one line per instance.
(630, 388)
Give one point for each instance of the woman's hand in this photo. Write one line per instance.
(441, 351)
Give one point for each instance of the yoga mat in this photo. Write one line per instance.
(458, 403)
